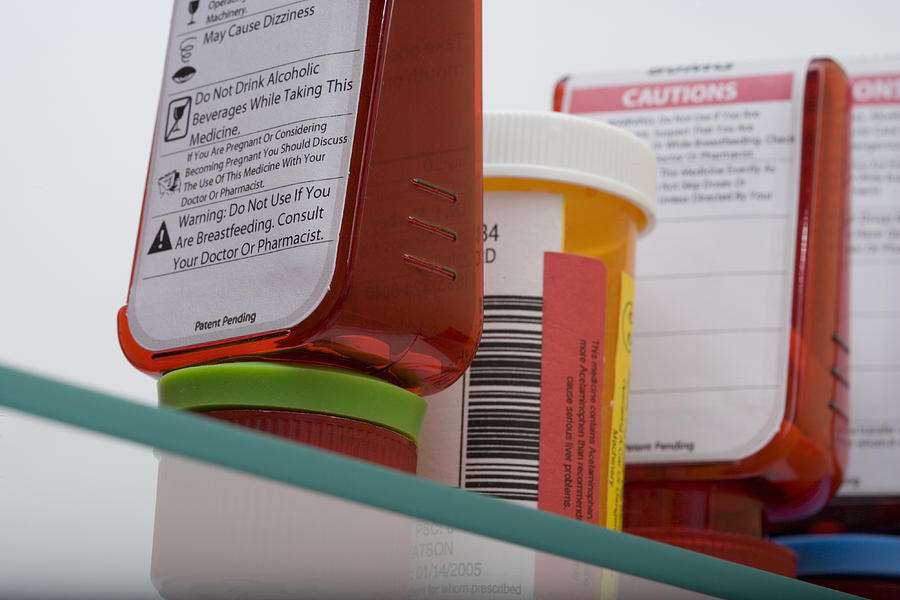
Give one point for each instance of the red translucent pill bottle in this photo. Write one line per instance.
(314, 200)
(869, 499)
(736, 122)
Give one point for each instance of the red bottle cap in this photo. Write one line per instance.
(743, 549)
(714, 519)
(346, 436)
(338, 410)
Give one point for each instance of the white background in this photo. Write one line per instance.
(79, 92)
(78, 95)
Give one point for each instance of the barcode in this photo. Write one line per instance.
(504, 400)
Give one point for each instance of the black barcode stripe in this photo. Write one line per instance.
(503, 401)
(518, 319)
(475, 469)
(496, 419)
(506, 381)
(507, 485)
(511, 438)
(500, 332)
(499, 399)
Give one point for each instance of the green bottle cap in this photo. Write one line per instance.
(307, 388)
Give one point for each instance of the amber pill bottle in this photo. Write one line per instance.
(313, 202)
(723, 508)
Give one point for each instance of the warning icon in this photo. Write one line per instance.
(161, 242)
(177, 118)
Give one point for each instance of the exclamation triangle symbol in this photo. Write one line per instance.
(161, 242)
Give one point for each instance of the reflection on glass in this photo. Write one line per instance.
(78, 520)
(222, 534)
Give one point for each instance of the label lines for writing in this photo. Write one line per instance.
(713, 331)
(702, 388)
(702, 275)
(253, 193)
(324, 55)
(237, 137)
(247, 16)
(706, 161)
(728, 217)
(233, 260)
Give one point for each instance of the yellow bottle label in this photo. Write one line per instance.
(620, 405)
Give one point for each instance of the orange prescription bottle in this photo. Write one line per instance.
(542, 407)
(539, 416)
(740, 356)
(314, 199)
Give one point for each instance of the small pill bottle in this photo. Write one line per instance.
(542, 408)
(313, 200)
(740, 388)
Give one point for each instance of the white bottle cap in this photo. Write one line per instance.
(560, 147)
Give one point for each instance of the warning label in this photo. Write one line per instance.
(161, 242)
(875, 266)
(716, 276)
(254, 135)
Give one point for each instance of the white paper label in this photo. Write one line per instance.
(249, 168)
(448, 563)
(875, 281)
(461, 441)
(518, 228)
(714, 280)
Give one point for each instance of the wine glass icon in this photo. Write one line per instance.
(179, 112)
(193, 5)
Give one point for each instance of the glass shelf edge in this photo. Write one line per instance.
(266, 456)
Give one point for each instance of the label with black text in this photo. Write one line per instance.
(875, 280)
(715, 278)
(248, 173)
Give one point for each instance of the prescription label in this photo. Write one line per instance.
(874, 280)
(483, 432)
(524, 423)
(710, 343)
(248, 172)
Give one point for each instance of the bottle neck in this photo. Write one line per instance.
(692, 505)
(716, 518)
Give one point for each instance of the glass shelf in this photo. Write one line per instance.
(172, 505)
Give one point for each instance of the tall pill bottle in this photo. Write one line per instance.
(869, 499)
(740, 382)
(539, 417)
(313, 201)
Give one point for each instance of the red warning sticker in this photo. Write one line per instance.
(572, 387)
